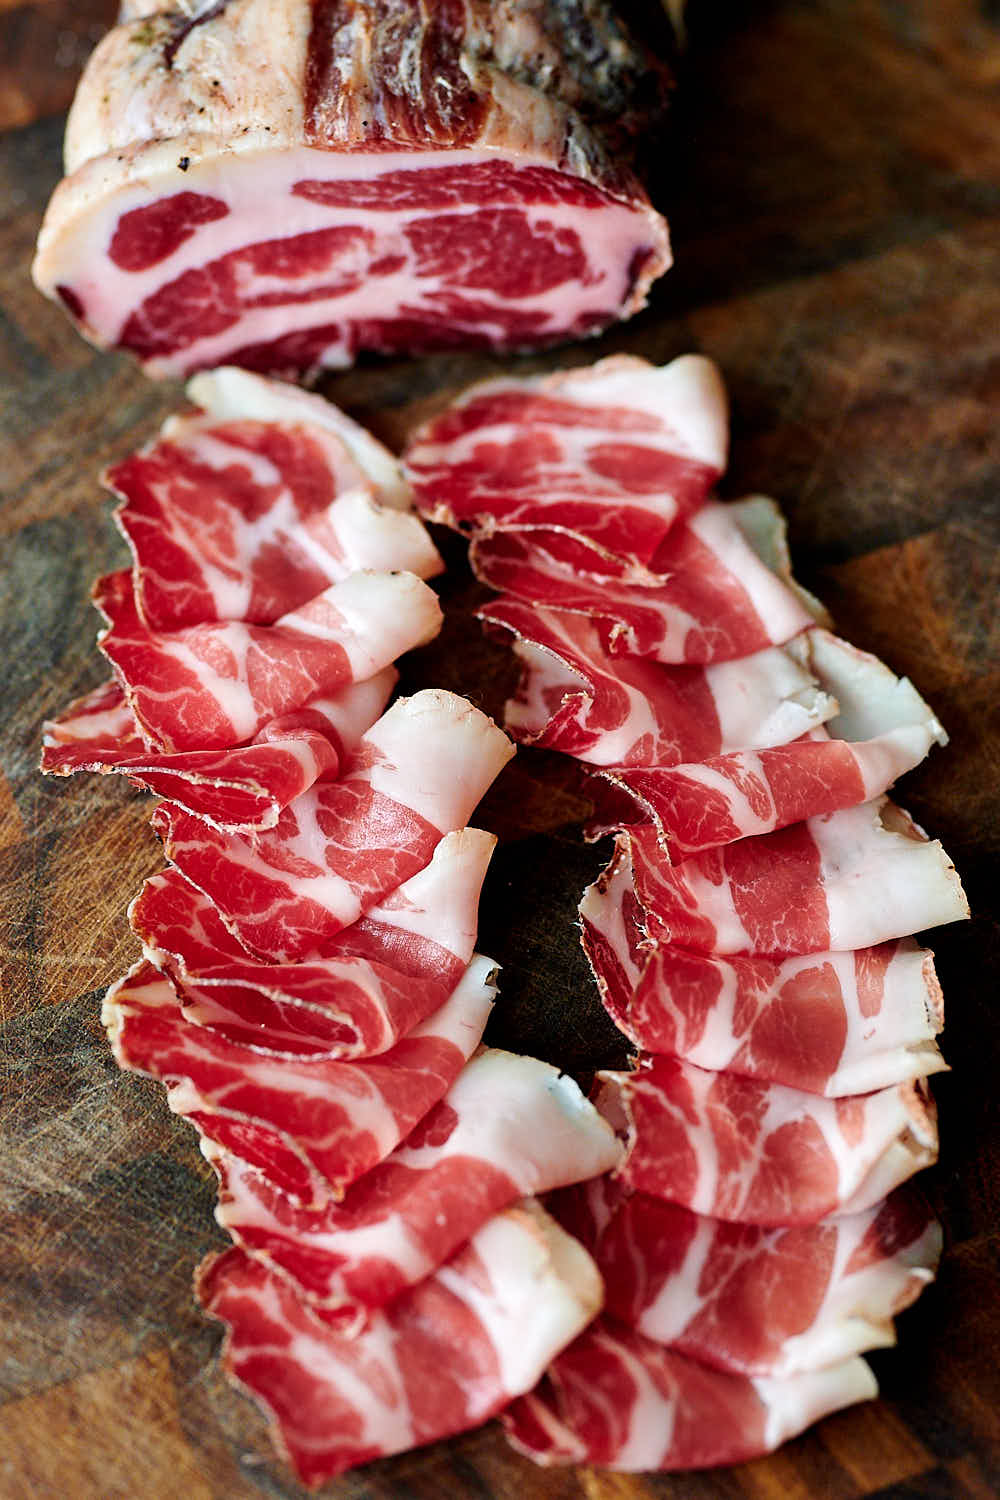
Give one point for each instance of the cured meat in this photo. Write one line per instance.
(338, 849)
(508, 1127)
(613, 454)
(398, 178)
(762, 523)
(616, 1399)
(575, 697)
(249, 520)
(215, 685)
(370, 986)
(93, 731)
(751, 1299)
(708, 596)
(882, 729)
(442, 1359)
(762, 1153)
(237, 789)
(229, 394)
(312, 1126)
(829, 1023)
(696, 808)
(849, 879)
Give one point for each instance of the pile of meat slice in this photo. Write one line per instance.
(752, 935)
(309, 992)
(399, 176)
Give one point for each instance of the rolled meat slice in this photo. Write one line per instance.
(612, 455)
(371, 984)
(311, 1126)
(707, 596)
(249, 519)
(829, 1023)
(882, 729)
(508, 1127)
(338, 849)
(235, 789)
(762, 1153)
(398, 178)
(211, 686)
(849, 879)
(575, 697)
(444, 1358)
(751, 1299)
(618, 1400)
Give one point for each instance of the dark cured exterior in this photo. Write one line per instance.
(408, 86)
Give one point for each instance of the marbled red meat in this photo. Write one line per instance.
(748, 1298)
(444, 1358)
(399, 177)
(618, 1400)
(236, 789)
(723, 798)
(248, 519)
(368, 987)
(882, 729)
(762, 1153)
(235, 395)
(508, 1127)
(849, 879)
(343, 845)
(95, 730)
(311, 1125)
(707, 596)
(211, 686)
(145, 236)
(614, 454)
(829, 1023)
(576, 697)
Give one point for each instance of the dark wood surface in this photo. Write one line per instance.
(833, 188)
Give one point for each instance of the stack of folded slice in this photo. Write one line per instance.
(309, 991)
(752, 935)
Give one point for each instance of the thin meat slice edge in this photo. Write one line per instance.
(614, 454)
(620, 1401)
(443, 1358)
(249, 520)
(755, 1299)
(710, 598)
(236, 789)
(313, 1126)
(575, 697)
(218, 684)
(228, 394)
(763, 1153)
(882, 729)
(829, 1023)
(337, 850)
(845, 880)
(371, 985)
(508, 1127)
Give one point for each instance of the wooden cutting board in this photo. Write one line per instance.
(833, 192)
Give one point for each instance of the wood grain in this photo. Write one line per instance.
(45, 44)
(833, 190)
